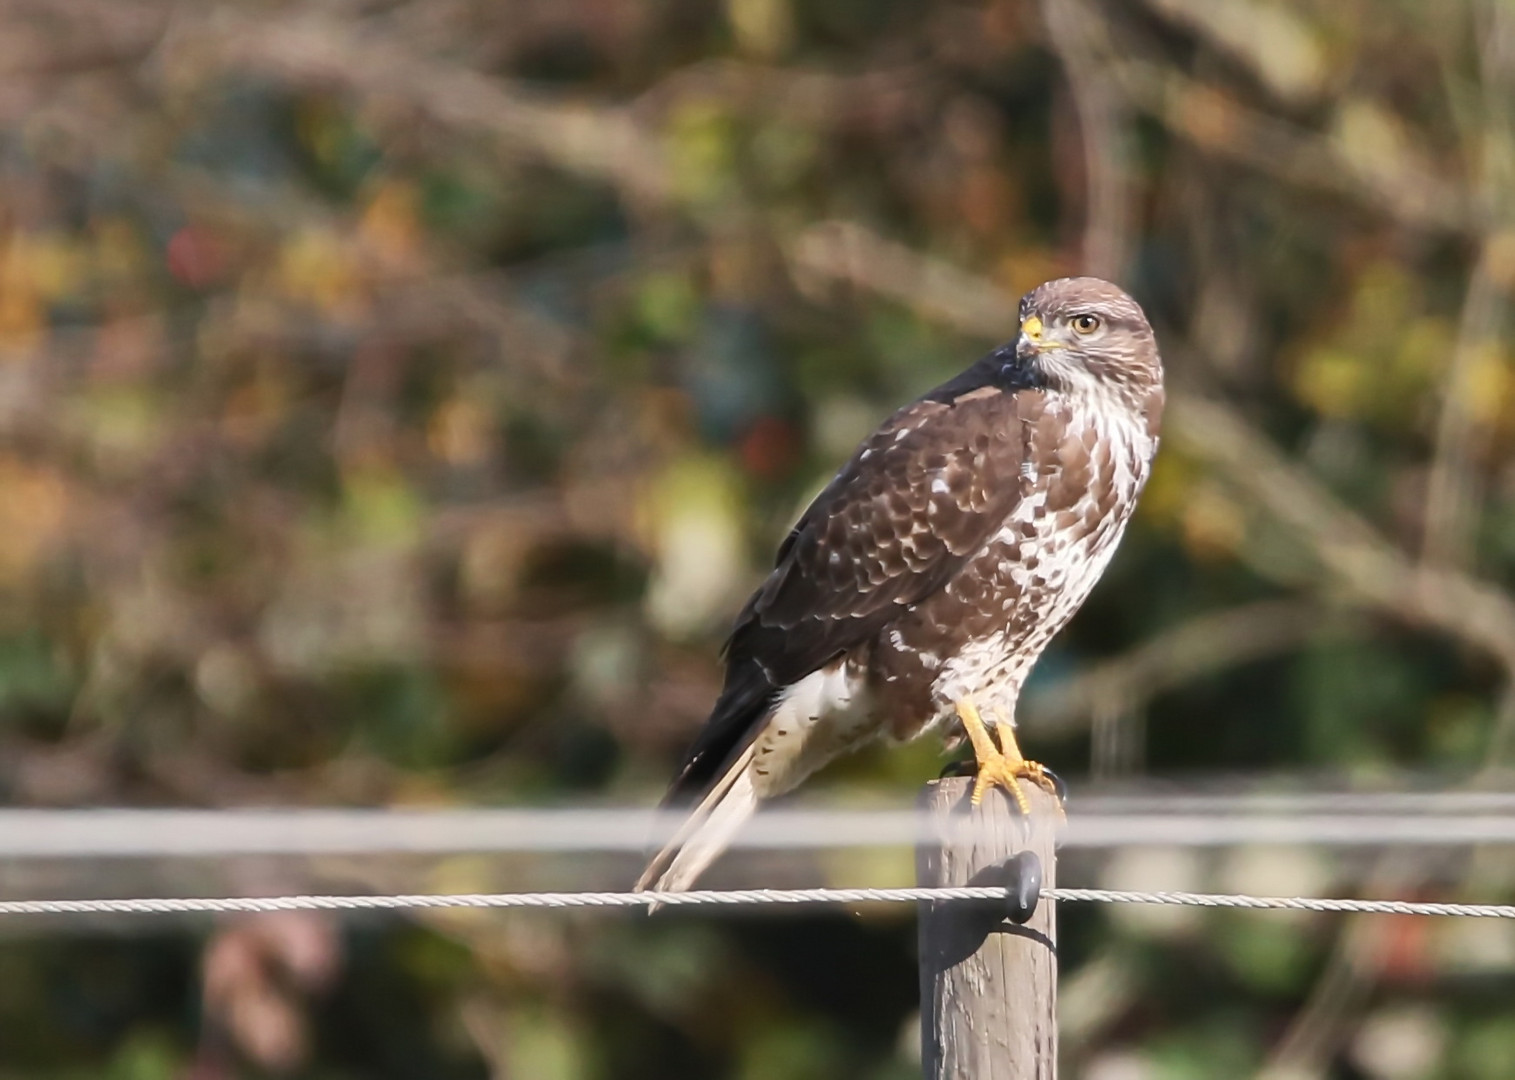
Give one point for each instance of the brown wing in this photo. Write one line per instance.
(917, 500)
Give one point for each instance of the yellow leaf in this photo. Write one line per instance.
(315, 268)
(31, 515)
(459, 432)
(762, 27)
(1488, 384)
(1214, 525)
(1331, 382)
(390, 223)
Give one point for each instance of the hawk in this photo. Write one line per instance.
(919, 588)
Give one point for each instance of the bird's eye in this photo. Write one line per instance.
(1085, 323)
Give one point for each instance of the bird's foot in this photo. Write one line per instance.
(1005, 767)
(1007, 772)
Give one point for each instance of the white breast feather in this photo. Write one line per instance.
(991, 670)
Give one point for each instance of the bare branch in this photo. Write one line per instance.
(1452, 495)
(1215, 122)
(595, 140)
(852, 253)
(1359, 560)
(1208, 643)
(1102, 123)
(61, 37)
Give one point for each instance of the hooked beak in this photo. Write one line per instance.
(1032, 340)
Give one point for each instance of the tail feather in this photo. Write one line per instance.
(744, 705)
(708, 831)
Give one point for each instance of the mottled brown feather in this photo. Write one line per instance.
(915, 501)
(965, 531)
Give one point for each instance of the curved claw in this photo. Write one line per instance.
(960, 767)
(1004, 765)
(1059, 788)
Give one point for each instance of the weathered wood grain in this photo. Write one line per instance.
(988, 986)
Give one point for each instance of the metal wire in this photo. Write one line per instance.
(735, 898)
(1437, 820)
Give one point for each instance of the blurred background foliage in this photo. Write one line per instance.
(398, 397)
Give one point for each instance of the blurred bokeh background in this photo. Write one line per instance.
(398, 397)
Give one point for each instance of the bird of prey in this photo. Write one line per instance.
(923, 583)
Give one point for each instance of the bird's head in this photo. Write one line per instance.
(1084, 334)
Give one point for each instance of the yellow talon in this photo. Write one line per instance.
(1005, 767)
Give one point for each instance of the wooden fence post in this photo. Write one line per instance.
(988, 986)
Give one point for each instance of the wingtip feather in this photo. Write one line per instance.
(708, 831)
